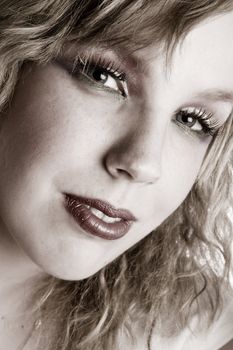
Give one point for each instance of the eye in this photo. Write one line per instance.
(100, 73)
(189, 119)
(108, 77)
(197, 120)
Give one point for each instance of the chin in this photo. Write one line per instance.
(69, 270)
(74, 275)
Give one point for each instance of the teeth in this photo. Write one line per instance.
(102, 216)
(97, 213)
(110, 220)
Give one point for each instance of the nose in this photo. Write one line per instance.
(137, 156)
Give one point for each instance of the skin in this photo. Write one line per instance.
(64, 135)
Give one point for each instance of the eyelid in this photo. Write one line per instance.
(101, 87)
(95, 54)
(220, 109)
(213, 116)
(125, 61)
(107, 66)
(210, 125)
(72, 66)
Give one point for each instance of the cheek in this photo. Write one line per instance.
(182, 160)
(50, 124)
(55, 117)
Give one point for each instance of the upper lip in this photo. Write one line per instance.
(105, 207)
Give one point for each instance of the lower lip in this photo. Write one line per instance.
(94, 225)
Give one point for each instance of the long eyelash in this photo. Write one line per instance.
(84, 62)
(210, 125)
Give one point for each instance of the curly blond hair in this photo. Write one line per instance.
(175, 270)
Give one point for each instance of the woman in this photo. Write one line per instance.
(116, 154)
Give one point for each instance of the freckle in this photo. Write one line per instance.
(2, 317)
(22, 326)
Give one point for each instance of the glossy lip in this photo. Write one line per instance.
(78, 207)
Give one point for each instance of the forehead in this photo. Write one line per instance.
(203, 59)
(207, 52)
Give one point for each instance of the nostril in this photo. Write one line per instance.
(136, 174)
(134, 167)
(118, 172)
(124, 173)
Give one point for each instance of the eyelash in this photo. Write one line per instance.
(210, 126)
(84, 65)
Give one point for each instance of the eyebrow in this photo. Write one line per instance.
(217, 95)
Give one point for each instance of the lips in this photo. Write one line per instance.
(98, 217)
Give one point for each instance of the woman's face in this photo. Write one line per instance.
(121, 129)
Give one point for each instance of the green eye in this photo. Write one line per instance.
(189, 120)
(197, 120)
(109, 78)
(100, 73)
